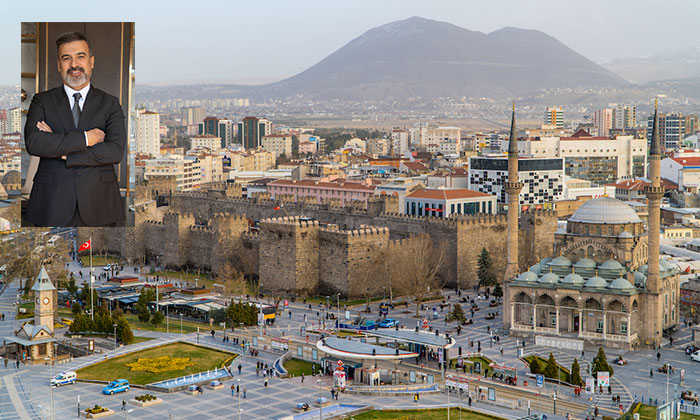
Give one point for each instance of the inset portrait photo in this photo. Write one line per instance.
(77, 84)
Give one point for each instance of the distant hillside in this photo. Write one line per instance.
(424, 58)
(670, 65)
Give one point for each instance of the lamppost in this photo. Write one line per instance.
(337, 320)
(180, 323)
(48, 359)
(320, 401)
(167, 319)
(115, 336)
(239, 399)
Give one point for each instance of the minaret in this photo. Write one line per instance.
(512, 187)
(654, 192)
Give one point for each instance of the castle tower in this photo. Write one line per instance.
(654, 192)
(512, 187)
(43, 306)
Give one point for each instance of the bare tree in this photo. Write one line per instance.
(417, 264)
(368, 279)
(231, 279)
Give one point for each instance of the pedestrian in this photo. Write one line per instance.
(265, 382)
(123, 405)
(290, 314)
(469, 401)
(416, 398)
(332, 393)
(245, 391)
(596, 411)
(609, 389)
(658, 355)
(233, 389)
(6, 362)
(501, 351)
(239, 368)
(651, 373)
(238, 389)
(670, 341)
(302, 378)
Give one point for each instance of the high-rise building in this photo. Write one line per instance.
(14, 121)
(673, 128)
(148, 132)
(186, 169)
(205, 140)
(399, 141)
(3, 121)
(278, 144)
(192, 115)
(554, 115)
(624, 116)
(221, 128)
(602, 122)
(251, 131)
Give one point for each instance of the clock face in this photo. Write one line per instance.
(37, 300)
(46, 301)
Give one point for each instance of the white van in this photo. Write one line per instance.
(53, 240)
(63, 378)
(695, 356)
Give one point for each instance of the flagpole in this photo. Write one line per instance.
(92, 296)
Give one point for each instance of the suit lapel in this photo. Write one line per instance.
(60, 100)
(92, 103)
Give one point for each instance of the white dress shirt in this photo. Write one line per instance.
(71, 100)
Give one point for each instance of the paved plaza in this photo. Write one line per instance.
(25, 394)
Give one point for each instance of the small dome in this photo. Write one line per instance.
(596, 282)
(585, 263)
(560, 261)
(528, 277)
(536, 269)
(611, 265)
(625, 234)
(573, 278)
(549, 278)
(545, 261)
(605, 210)
(644, 269)
(640, 278)
(620, 283)
(12, 177)
(664, 265)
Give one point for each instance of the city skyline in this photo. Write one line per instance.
(285, 39)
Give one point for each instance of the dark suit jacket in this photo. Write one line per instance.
(87, 175)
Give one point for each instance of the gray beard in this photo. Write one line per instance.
(75, 82)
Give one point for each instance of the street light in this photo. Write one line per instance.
(180, 323)
(115, 336)
(48, 359)
(338, 317)
(239, 398)
(320, 402)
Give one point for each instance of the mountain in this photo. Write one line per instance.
(426, 58)
(668, 65)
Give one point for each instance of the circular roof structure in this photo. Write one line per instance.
(549, 278)
(639, 278)
(585, 263)
(339, 347)
(611, 265)
(560, 261)
(620, 283)
(596, 282)
(528, 277)
(536, 269)
(605, 210)
(12, 177)
(573, 278)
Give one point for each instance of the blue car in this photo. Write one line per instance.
(120, 385)
(388, 323)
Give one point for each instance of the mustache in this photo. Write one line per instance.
(75, 68)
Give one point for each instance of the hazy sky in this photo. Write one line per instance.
(254, 41)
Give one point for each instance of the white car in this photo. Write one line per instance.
(63, 378)
(107, 267)
(695, 356)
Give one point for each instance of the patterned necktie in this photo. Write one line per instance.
(76, 109)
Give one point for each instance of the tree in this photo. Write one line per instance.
(76, 308)
(295, 147)
(600, 363)
(486, 274)
(232, 279)
(86, 296)
(551, 370)
(576, 374)
(497, 291)
(367, 280)
(242, 313)
(143, 313)
(457, 314)
(157, 318)
(72, 287)
(418, 262)
(124, 331)
(535, 367)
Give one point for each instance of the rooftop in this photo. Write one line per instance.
(453, 194)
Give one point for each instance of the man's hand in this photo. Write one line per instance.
(42, 126)
(95, 136)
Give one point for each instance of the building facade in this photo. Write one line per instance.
(543, 179)
(447, 202)
(205, 140)
(185, 169)
(344, 192)
(148, 133)
(251, 131)
(278, 144)
(554, 115)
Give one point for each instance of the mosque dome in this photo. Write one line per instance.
(528, 277)
(12, 177)
(585, 263)
(639, 278)
(605, 210)
(536, 269)
(560, 261)
(574, 279)
(611, 265)
(620, 283)
(549, 278)
(596, 282)
(644, 269)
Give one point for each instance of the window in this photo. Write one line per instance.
(530, 320)
(554, 321)
(623, 327)
(600, 327)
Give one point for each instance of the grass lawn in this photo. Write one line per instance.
(204, 359)
(564, 372)
(98, 261)
(648, 412)
(187, 326)
(421, 415)
(296, 367)
(141, 339)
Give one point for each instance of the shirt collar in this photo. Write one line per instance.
(70, 91)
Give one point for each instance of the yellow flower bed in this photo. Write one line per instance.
(160, 364)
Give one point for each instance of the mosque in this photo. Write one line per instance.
(605, 283)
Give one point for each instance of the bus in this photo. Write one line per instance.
(268, 311)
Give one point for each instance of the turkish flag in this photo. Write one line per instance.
(276, 208)
(84, 246)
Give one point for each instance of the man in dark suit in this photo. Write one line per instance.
(78, 132)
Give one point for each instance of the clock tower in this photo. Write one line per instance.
(43, 300)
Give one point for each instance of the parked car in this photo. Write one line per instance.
(63, 378)
(388, 323)
(695, 356)
(120, 385)
(107, 267)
